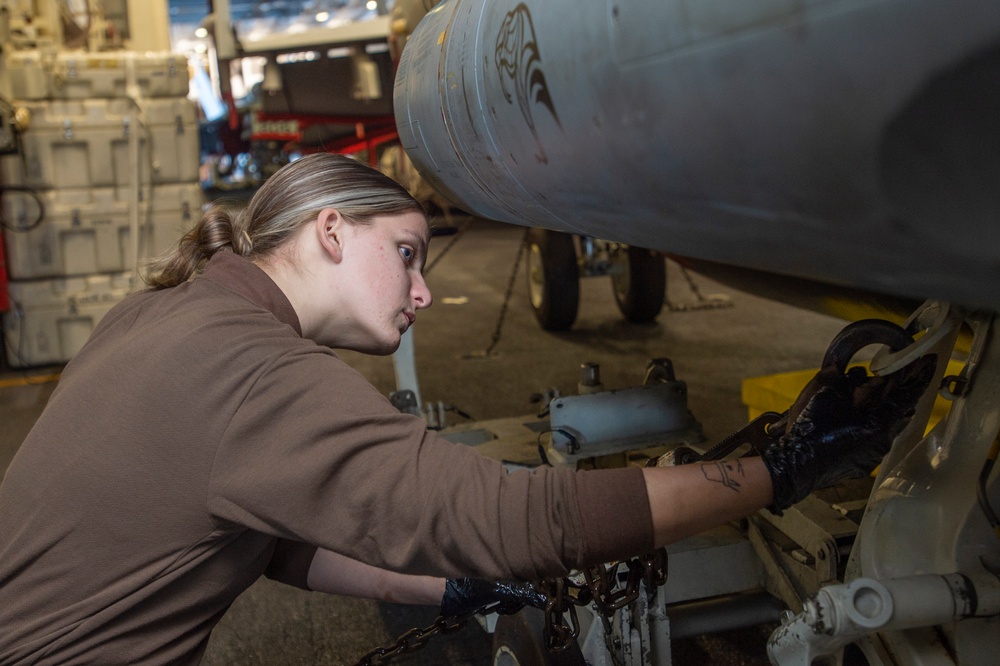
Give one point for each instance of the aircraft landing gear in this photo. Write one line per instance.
(553, 278)
(554, 269)
(639, 281)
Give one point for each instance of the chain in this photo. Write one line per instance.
(506, 300)
(702, 303)
(460, 231)
(602, 589)
(650, 569)
(510, 291)
(510, 283)
(417, 638)
(562, 596)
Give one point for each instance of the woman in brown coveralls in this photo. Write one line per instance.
(208, 433)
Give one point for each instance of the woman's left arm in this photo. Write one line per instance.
(333, 573)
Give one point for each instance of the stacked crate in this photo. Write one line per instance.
(72, 196)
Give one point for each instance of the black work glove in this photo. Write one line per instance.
(682, 455)
(840, 427)
(466, 595)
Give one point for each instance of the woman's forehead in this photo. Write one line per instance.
(411, 221)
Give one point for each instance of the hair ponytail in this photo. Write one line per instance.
(215, 231)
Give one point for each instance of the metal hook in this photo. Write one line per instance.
(860, 334)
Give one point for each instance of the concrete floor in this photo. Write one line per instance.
(713, 350)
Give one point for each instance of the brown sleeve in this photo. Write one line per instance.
(614, 513)
(315, 454)
(290, 563)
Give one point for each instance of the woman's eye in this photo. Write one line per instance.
(407, 253)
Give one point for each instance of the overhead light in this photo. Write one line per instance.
(201, 33)
(298, 56)
(372, 5)
(322, 17)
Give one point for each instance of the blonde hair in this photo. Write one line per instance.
(294, 195)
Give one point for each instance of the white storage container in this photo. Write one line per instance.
(35, 75)
(49, 320)
(88, 231)
(84, 143)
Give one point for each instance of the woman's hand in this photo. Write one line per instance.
(841, 426)
(467, 595)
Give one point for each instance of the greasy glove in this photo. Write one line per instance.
(840, 427)
(466, 595)
(682, 455)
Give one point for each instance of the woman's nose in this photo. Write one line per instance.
(421, 293)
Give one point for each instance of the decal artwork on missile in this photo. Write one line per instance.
(519, 66)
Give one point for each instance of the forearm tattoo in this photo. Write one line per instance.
(727, 472)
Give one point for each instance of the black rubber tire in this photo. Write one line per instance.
(553, 278)
(641, 286)
(517, 641)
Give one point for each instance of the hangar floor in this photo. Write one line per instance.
(713, 350)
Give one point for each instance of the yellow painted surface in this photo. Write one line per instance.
(28, 380)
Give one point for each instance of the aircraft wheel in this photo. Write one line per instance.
(640, 285)
(553, 278)
(517, 641)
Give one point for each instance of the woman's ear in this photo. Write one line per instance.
(330, 232)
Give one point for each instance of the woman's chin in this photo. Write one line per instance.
(384, 347)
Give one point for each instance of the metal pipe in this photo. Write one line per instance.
(590, 379)
(133, 122)
(720, 614)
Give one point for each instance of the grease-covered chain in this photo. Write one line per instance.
(602, 590)
(417, 638)
(650, 568)
(560, 600)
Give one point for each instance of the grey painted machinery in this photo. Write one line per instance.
(842, 140)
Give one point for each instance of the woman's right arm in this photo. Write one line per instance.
(688, 499)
